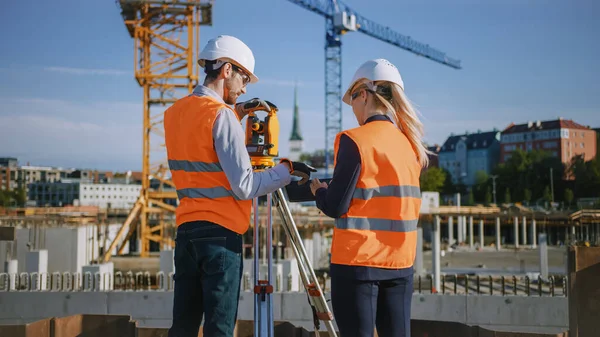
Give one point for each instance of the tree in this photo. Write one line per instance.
(527, 195)
(547, 194)
(4, 199)
(587, 176)
(471, 198)
(20, 197)
(481, 185)
(507, 196)
(531, 171)
(433, 179)
(488, 196)
(569, 196)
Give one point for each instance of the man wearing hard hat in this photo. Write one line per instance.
(215, 184)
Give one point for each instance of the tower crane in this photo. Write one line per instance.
(340, 19)
(166, 35)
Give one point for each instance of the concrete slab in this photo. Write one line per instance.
(8, 233)
(439, 307)
(39, 305)
(141, 304)
(517, 311)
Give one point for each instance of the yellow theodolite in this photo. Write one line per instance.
(262, 136)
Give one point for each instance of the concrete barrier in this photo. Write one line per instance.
(584, 291)
(153, 308)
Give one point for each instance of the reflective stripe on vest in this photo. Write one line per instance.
(191, 166)
(202, 187)
(387, 191)
(377, 224)
(208, 192)
(379, 229)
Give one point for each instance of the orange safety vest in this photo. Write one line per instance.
(202, 187)
(379, 229)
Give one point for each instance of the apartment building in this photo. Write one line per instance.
(115, 196)
(8, 173)
(562, 138)
(82, 193)
(464, 155)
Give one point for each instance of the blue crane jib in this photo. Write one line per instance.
(346, 19)
(340, 19)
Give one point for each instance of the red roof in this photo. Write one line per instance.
(544, 125)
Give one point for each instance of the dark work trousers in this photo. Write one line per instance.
(208, 272)
(361, 305)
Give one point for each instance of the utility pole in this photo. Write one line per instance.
(552, 184)
(494, 184)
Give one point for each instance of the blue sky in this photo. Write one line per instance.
(68, 96)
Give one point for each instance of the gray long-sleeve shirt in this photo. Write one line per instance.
(229, 143)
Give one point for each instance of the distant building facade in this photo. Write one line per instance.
(597, 142)
(562, 138)
(434, 156)
(296, 140)
(464, 155)
(14, 176)
(53, 194)
(121, 196)
(8, 173)
(79, 193)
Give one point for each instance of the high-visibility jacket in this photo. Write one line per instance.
(202, 187)
(379, 229)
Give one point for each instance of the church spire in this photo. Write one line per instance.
(296, 122)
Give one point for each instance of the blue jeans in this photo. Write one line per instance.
(208, 272)
(361, 305)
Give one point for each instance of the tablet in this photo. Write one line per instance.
(301, 193)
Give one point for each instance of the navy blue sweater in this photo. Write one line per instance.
(334, 202)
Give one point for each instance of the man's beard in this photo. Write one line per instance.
(230, 97)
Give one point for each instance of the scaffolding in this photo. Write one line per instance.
(166, 46)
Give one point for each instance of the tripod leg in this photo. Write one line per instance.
(256, 243)
(263, 299)
(269, 246)
(309, 279)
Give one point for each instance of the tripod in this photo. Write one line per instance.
(263, 302)
(262, 144)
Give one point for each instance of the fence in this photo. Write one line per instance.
(554, 286)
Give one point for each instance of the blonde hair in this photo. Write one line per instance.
(391, 98)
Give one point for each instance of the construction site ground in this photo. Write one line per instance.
(124, 326)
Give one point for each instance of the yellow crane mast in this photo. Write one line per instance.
(166, 37)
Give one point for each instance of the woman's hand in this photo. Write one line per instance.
(315, 184)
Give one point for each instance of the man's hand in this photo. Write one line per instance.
(255, 104)
(315, 184)
(299, 169)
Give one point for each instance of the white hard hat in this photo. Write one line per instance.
(374, 70)
(231, 49)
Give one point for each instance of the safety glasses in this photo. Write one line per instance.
(245, 77)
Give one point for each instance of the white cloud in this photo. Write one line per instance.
(84, 71)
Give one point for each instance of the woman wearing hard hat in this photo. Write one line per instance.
(374, 196)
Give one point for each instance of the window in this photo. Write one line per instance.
(582, 145)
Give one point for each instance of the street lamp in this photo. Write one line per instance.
(494, 186)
